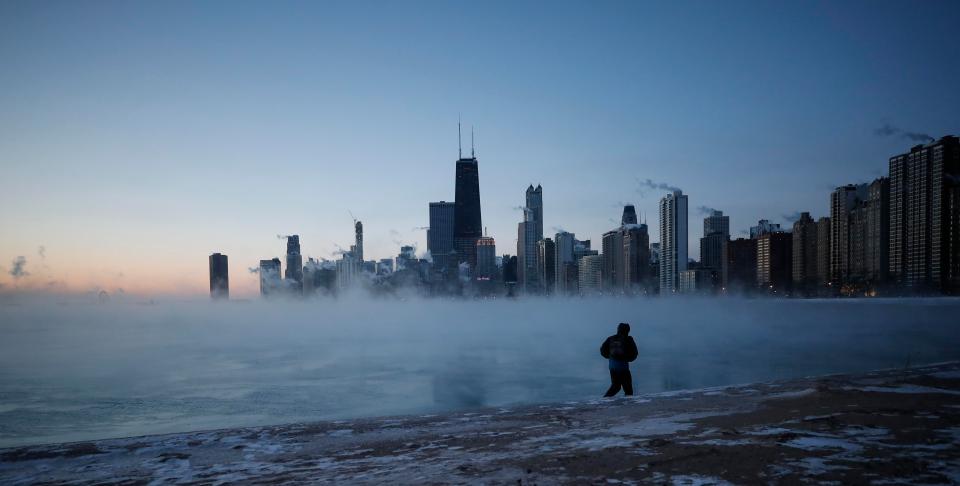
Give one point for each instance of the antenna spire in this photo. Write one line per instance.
(473, 154)
(459, 138)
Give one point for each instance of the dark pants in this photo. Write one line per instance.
(620, 378)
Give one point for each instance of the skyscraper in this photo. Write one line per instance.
(673, 240)
(716, 230)
(589, 274)
(440, 233)
(629, 215)
(467, 224)
(486, 258)
(805, 254)
(775, 262)
(219, 277)
(924, 230)
(763, 227)
(294, 272)
(612, 260)
(564, 244)
(842, 201)
(546, 264)
(270, 282)
(636, 256)
(529, 234)
(739, 273)
(534, 199)
(869, 237)
(823, 251)
(357, 247)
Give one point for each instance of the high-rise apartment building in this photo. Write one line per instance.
(805, 237)
(673, 240)
(924, 250)
(823, 251)
(440, 232)
(739, 272)
(763, 227)
(842, 201)
(636, 257)
(564, 244)
(775, 262)
(219, 277)
(529, 234)
(612, 260)
(357, 247)
(869, 237)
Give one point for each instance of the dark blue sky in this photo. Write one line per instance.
(175, 129)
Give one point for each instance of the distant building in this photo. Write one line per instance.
(486, 258)
(636, 257)
(467, 223)
(440, 234)
(357, 247)
(219, 277)
(629, 215)
(319, 278)
(673, 240)
(763, 227)
(529, 234)
(805, 237)
(612, 260)
(270, 283)
(823, 251)
(716, 231)
(775, 262)
(925, 217)
(869, 234)
(698, 281)
(565, 263)
(294, 272)
(739, 272)
(348, 271)
(407, 258)
(589, 274)
(385, 266)
(842, 201)
(546, 265)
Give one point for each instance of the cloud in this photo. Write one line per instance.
(253, 269)
(705, 209)
(650, 185)
(42, 251)
(18, 270)
(888, 130)
(791, 217)
(282, 237)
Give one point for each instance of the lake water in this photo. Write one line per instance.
(73, 372)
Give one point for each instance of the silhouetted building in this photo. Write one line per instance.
(629, 215)
(612, 258)
(636, 257)
(924, 251)
(565, 263)
(294, 272)
(589, 274)
(805, 237)
(775, 262)
(357, 247)
(467, 224)
(869, 237)
(739, 273)
(529, 234)
(348, 271)
(219, 277)
(764, 227)
(385, 266)
(673, 240)
(440, 233)
(546, 265)
(270, 283)
(319, 278)
(486, 258)
(698, 281)
(716, 230)
(842, 201)
(823, 251)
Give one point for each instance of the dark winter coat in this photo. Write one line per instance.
(620, 350)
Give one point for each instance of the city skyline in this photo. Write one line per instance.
(116, 188)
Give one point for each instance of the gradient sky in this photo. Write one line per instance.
(138, 137)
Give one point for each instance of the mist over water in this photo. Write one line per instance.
(78, 372)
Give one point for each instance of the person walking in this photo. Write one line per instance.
(620, 350)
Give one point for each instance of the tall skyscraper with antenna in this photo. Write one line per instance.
(467, 224)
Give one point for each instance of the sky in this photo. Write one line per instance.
(137, 138)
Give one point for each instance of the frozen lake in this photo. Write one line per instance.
(78, 372)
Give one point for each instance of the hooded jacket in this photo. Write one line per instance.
(620, 349)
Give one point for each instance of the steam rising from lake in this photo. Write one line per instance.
(78, 371)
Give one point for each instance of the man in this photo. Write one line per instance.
(620, 349)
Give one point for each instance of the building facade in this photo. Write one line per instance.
(589, 275)
(673, 240)
(546, 265)
(775, 263)
(739, 272)
(467, 223)
(805, 239)
(219, 277)
(440, 232)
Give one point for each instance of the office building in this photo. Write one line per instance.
(589, 275)
(636, 257)
(270, 283)
(673, 240)
(805, 237)
(294, 271)
(546, 265)
(467, 223)
(219, 277)
(612, 257)
(348, 271)
(924, 249)
(716, 230)
(775, 262)
(629, 215)
(486, 258)
(357, 247)
(564, 243)
(440, 233)
(319, 278)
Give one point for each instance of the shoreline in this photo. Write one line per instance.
(894, 424)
